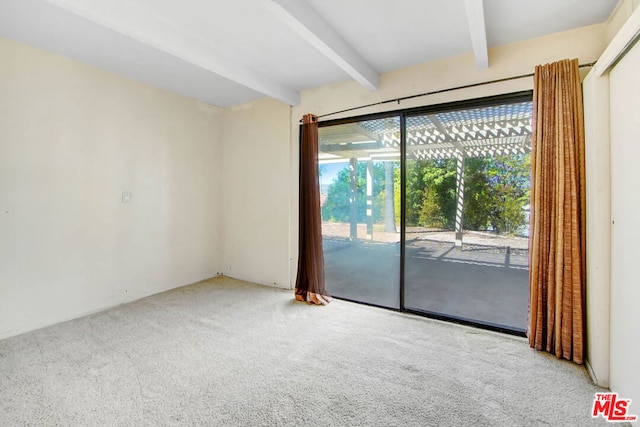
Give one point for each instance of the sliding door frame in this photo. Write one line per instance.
(515, 97)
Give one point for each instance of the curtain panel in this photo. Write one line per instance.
(557, 224)
(310, 286)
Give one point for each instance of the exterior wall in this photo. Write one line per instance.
(72, 139)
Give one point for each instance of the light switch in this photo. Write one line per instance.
(126, 197)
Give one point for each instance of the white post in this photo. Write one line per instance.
(370, 200)
(389, 204)
(353, 211)
(460, 196)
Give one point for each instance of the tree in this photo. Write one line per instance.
(337, 206)
(496, 190)
(431, 192)
(508, 179)
(477, 197)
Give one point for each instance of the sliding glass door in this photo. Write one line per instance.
(427, 210)
(466, 224)
(360, 197)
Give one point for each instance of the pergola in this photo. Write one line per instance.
(477, 132)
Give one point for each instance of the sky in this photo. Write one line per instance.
(329, 171)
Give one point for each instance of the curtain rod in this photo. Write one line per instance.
(404, 98)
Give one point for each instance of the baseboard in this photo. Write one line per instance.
(55, 321)
(257, 282)
(593, 376)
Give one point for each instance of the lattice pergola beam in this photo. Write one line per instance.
(423, 137)
(478, 148)
(479, 132)
(440, 127)
(350, 146)
(436, 154)
(442, 150)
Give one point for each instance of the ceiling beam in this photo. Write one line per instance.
(475, 20)
(243, 75)
(440, 127)
(173, 41)
(305, 21)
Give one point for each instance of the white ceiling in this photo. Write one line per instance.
(227, 52)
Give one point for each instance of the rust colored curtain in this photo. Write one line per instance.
(310, 279)
(557, 233)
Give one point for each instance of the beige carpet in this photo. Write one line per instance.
(225, 352)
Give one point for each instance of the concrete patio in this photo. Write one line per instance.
(484, 281)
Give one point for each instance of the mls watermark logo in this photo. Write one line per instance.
(611, 408)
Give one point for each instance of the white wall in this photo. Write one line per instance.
(72, 138)
(256, 189)
(625, 232)
(598, 191)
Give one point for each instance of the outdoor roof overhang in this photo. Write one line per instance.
(478, 132)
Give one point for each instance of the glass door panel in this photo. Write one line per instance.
(467, 196)
(360, 202)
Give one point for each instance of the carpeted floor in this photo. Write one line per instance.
(225, 352)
